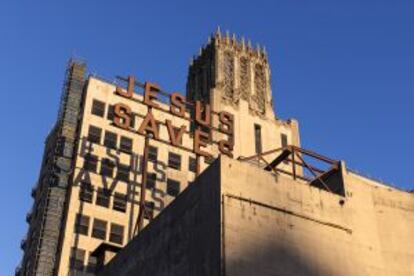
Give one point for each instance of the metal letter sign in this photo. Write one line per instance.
(180, 107)
(200, 127)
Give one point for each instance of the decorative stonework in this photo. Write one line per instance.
(259, 97)
(228, 74)
(235, 70)
(244, 69)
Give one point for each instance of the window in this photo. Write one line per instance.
(192, 164)
(126, 144)
(284, 143)
(86, 192)
(77, 257)
(149, 208)
(98, 108)
(132, 121)
(111, 112)
(94, 134)
(82, 224)
(117, 233)
(90, 162)
(258, 138)
(110, 140)
(102, 197)
(152, 154)
(120, 201)
(173, 187)
(284, 140)
(174, 161)
(107, 167)
(123, 172)
(92, 262)
(151, 179)
(99, 229)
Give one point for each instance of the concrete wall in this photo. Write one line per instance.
(272, 225)
(280, 227)
(182, 240)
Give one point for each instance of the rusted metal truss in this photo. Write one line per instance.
(294, 157)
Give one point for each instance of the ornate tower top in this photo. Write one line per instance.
(229, 71)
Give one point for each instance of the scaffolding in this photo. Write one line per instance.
(41, 252)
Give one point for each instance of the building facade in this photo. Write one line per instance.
(120, 153)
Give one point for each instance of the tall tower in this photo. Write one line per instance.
(231, 72)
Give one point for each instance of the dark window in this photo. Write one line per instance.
(126, 144)
(173, 187)
(174, 161)
(132, 121)
(103, 197)
(86, 192)
(151, 179)
(98, 108)
(117, 233)
(107, 167)
(123, 172)
(258, 138)
(192, 164)
(77, 257)
(284, 140)
(90, 162)
(152, 154)
(111, 112)
(82, 224)
(94, 134)
(99, 229)
(92, 262)
(120, 201)
(110, 140)
(149, 208)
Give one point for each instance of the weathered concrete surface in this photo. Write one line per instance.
(239, 220)
(185, 240)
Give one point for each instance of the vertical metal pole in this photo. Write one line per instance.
(293, 163)
(142, 206)
(197, 165)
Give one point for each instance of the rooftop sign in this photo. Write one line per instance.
(200, 116)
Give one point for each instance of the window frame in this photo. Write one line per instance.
(86, 192)
(118, 235)
(174, 160)
(103, 195)
(110, 142)
(123, 172)
(172, 191)
(122, 146)
(120, 202)
(152, 154)
(107, 167)
(94, 137)
(101, 231)
(90, 162)
(100, 109)
(82, 223)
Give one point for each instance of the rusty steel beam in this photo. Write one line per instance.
(279, 159)
(314, 174)
(241, 158)
(316, 155)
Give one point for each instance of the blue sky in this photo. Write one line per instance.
(344, 69)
